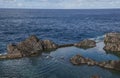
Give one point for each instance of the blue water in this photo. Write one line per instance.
(61, 26)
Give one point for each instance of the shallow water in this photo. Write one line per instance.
(56, 64)
(61, 26)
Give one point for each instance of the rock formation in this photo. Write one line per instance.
(79, 60)
(95, 76)
(86, 44)
(31, 46)
(112, 42)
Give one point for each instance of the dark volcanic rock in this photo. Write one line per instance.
(13, 51)
(112, 42)
(79, 60)
(95, 76)
(86, 44)
(31, 46)
(48, 45)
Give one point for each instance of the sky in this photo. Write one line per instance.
(60, 4)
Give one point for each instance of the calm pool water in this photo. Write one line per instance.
(56, 64)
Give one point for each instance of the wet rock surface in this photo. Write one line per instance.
(112, 42)
(34, 46)
(29, 47)
(79, 60)
(86, 44)
(95, 76)
(49, 45)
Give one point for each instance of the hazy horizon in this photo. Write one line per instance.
(66, 9)
(60, 4)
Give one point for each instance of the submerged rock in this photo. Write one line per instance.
(65, 45)
(31, 46)
(86, 44)
(79, 60)
(112, 42)
(95, 76)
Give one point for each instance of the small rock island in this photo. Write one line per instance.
(29, 47)
(86, 44)
(80, 60)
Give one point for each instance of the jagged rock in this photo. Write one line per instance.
(78, 60)
(116, 65)
(29, 47)
(112, 37)
(48, 45)
(91, 62)
(95, 76)
(86, 44)
(112, 42)
(13, 52)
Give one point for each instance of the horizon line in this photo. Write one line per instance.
(64, 8)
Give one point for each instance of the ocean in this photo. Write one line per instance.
(61, 26)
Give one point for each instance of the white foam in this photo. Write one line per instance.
(98, 39)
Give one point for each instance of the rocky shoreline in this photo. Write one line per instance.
(33, 46)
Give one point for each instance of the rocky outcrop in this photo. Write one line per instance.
(29, 47)
(49, 45)
(13, 51)
(95, 76)
(79, 60)
(86, 44)
(34, 46)
(112, 42)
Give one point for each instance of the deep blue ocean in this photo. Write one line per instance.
(60, 26)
